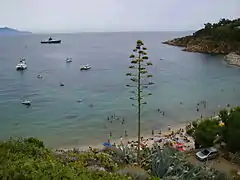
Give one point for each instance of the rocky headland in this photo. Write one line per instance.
(233, 59)
(218, 38)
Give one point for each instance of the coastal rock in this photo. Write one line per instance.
(233, 59)
(192, 44)
(96, 168)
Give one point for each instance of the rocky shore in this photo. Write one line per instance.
(204, 45)
(233, 59)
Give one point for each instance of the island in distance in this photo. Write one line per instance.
(10, 31)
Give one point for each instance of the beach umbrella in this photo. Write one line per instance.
(180, 146)
(107, 144)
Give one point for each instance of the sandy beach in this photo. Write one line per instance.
(176, 135)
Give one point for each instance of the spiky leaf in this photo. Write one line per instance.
(132, 56)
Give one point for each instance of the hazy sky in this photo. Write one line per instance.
(114, 15)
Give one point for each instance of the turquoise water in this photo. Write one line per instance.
(60, 121)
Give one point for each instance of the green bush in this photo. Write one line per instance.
(28, 159)
(206, 131)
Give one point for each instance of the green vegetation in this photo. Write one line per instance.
(139, 63)
(207, 132)
(29, 159)
(224, 30)
(218, 38)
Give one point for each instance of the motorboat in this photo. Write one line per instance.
(68, 60)
(85, 67)
(51, 41)
(22, 65)
(26, 102)
(39, 76)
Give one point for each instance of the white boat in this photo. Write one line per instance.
(26, 102)
(22, 65)
(85, 67)
(68, 60)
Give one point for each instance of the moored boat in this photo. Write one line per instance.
(85, 67)
(22, 65)
(51, 41)
(26, 102)
(68, 60)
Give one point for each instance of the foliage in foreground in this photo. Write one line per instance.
(29, 159)
(207, 132)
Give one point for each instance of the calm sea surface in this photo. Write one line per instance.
(57, 118)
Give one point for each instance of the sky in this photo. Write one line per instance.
(114, 15)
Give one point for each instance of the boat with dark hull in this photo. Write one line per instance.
(51, 41)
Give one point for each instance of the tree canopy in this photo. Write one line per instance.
(224, 30)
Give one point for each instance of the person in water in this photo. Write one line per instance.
(163, 113)
(123, 120)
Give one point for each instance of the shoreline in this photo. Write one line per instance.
(230, 57)
(128, 140)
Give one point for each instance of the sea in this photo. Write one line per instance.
(92, 104)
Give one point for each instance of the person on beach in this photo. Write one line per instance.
(125, 133)
(152, 132)
(160, 132)
(110, 137)
(201, 116)
(169, 128)
(163, 113)
(108, 118)
(121, 140)
(158, 109)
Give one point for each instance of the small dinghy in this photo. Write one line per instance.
(61, 84)
(68, 60)
(79, 101)
(26, 102)
(39, 76)
(85, 67)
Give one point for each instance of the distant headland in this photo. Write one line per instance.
(217, 38)
(10, 31)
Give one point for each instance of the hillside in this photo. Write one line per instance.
(217, 38)
(9, 31)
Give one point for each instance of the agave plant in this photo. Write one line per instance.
(171, 164)
(122, 154)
